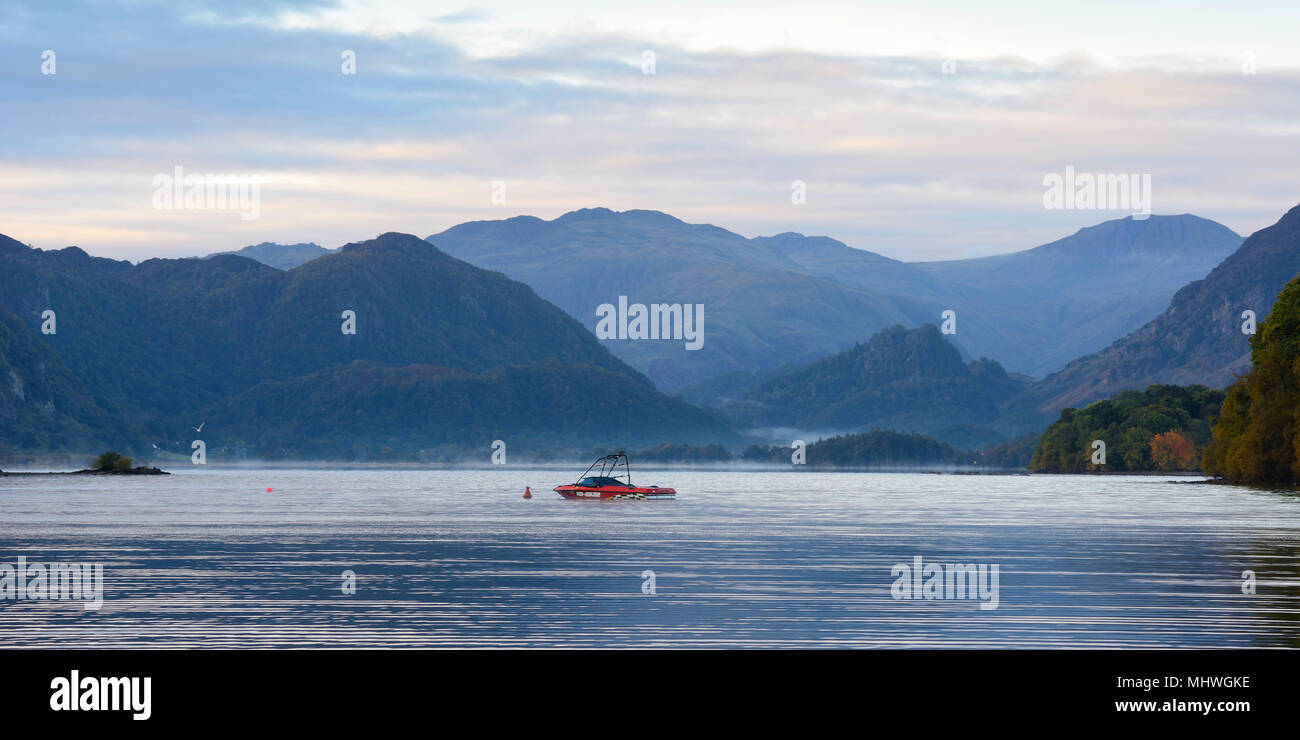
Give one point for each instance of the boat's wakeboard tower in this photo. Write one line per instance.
(609, 467)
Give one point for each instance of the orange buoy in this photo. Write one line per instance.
(527, 492)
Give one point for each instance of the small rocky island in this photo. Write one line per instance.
(109, 463)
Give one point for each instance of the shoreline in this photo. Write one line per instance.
(132, 471)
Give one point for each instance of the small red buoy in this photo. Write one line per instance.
(268, 490)
(527, 492)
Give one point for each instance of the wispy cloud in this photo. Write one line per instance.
(898, 157)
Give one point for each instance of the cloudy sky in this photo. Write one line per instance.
(552, 99)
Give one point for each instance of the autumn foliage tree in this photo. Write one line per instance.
(1254, 439)
(1173, 451)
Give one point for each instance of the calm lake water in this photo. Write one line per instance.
(208, 558)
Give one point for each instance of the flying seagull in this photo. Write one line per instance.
(199, 428)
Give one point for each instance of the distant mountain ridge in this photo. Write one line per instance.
(760, 307)
(1033, 311)
(280, 256)
(1038, 309)
(1198, 339)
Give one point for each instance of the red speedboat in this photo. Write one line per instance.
(609, 484)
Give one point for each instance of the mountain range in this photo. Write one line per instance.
(761, 310)
(801, 333)
(782, 301)
(1038, 309)
(140, 354)
(789, 299)
(1199, 337)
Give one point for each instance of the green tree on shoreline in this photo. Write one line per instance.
(1135, 427)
